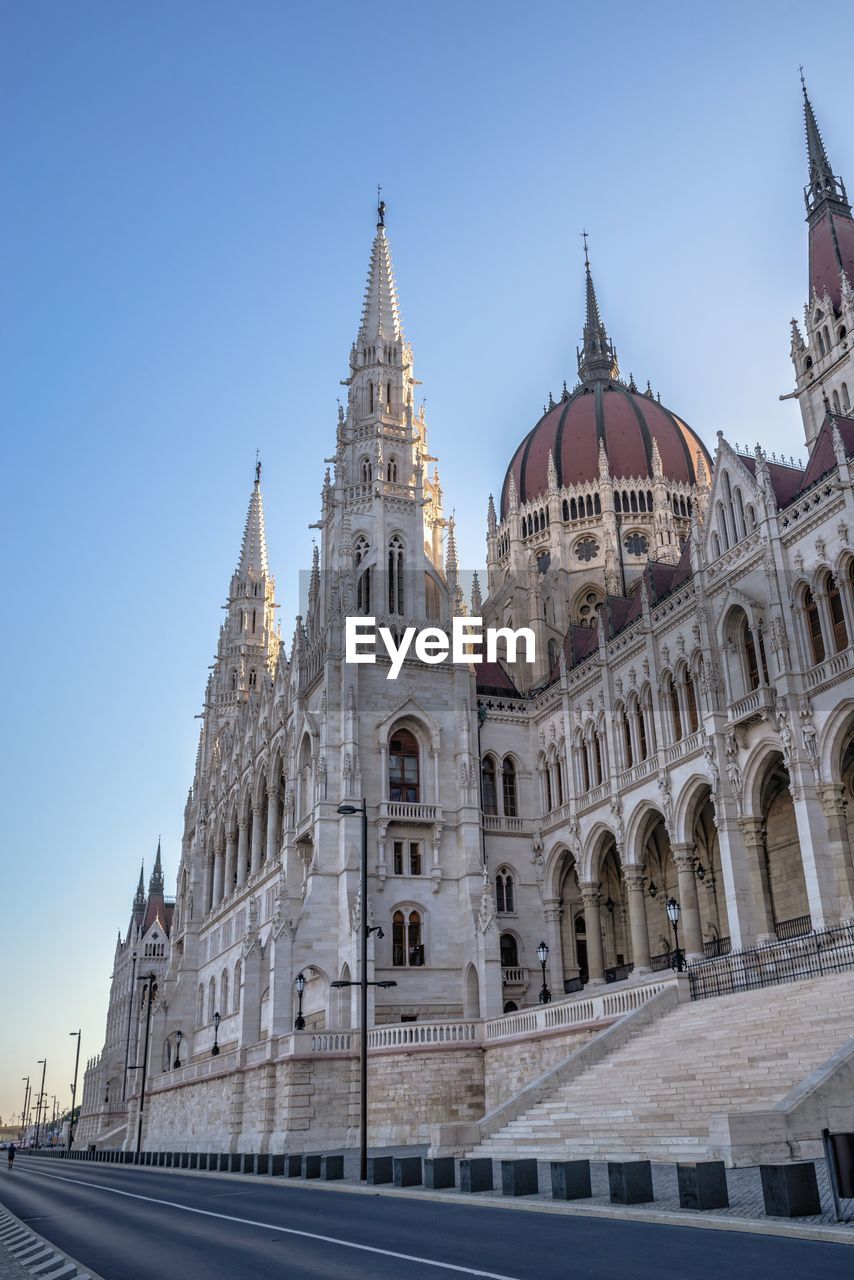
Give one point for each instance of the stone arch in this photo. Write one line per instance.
(776, 838)
(692, 795)
(596, 844)
(471, 992)
(343, 1017)
(834, 740)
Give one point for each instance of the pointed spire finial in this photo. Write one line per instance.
(380, 311)
(155, 884)
(139, 896)
(257, 467)
(823, 183)
(597, 359)
(380, 207)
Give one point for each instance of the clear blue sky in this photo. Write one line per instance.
(186, 210)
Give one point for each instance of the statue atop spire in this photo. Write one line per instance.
(380, 312)
(597, 358)
(380, 207)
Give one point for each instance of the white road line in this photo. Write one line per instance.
(288, 1231)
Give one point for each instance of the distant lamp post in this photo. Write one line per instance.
(216, 1022)
(673, 916)
(365, 931)
(299, 983)
(40, 1101)
(74, 1089)
(542, 956)
(178, 1038)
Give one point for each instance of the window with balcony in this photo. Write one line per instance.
(403, 780)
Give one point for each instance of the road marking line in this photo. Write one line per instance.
(289, 1231)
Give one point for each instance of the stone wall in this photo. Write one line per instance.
(305, 1104)
(508, 1068)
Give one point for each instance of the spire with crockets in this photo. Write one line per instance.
(823, 186)
(155, 884)
(139, 896)
(597, 358)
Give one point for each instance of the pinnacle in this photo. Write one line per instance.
(253, 549)
(155, 884)
(380, 312)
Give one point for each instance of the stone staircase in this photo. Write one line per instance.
(654, 1095)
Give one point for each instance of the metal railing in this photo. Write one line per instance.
(809, 956)
(797, 928)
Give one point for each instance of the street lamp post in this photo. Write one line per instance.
(215, 1049)
(148, 996)
(542, 956)
(74, 1089)
(178, 1038)
(26, 1111)
(364, 933)
(673, 916)
(299, 983)
(130, 1018)
(43, 1063)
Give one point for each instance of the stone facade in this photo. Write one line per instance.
(686, 732)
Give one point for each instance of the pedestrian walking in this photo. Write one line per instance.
(11, 1154)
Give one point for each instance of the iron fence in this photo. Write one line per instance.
(807, 956)
(796, 928)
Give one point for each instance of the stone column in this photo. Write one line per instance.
(833, 803)
(692, 931)
(257, 836)
(753, 834)
(274, 836)
(633, 877)
(816, 856)
(593, 928)
(554, 967)
(242, 848)
(208, 882)
(217, 878)
(230, 860)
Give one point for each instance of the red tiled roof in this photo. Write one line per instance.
(492, 678)
(625, 421)
(823, 458)
(787, 482)
(831, 252)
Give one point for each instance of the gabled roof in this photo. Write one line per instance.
(491, 678)
(787, 482)
(823, 456)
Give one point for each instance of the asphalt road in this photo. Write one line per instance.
(131, 1224)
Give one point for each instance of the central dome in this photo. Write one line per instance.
(623, 420)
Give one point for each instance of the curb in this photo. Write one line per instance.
(36, 1255)
(840, 1234)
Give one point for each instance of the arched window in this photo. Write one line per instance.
(813, 626)
(200, 1006)
(643, 743)
(675, 711)
(691, 702)
(403, 781)
(547, 781)
(846, 402)
(751, 656)
(509, 951)
(388, 396)
(508, 783)
(407, 941)
(392, 470)
(628, 751)
(367, 471)
(237, 977)
(234, 682)
(223, 992)
(836, 405)
(487, 781)
(395, 576)
(211, 999)
(363, 582)
(837, 616)
(370, 397)
(553, 654)
(253, 679)
(505, 891)
(597, 757)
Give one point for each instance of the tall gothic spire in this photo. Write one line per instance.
(823, 185)
(597, 358)
(380, 312)
(139, 896)
(253, 549)
(155, 884)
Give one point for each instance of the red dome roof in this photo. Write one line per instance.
(625, 420)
